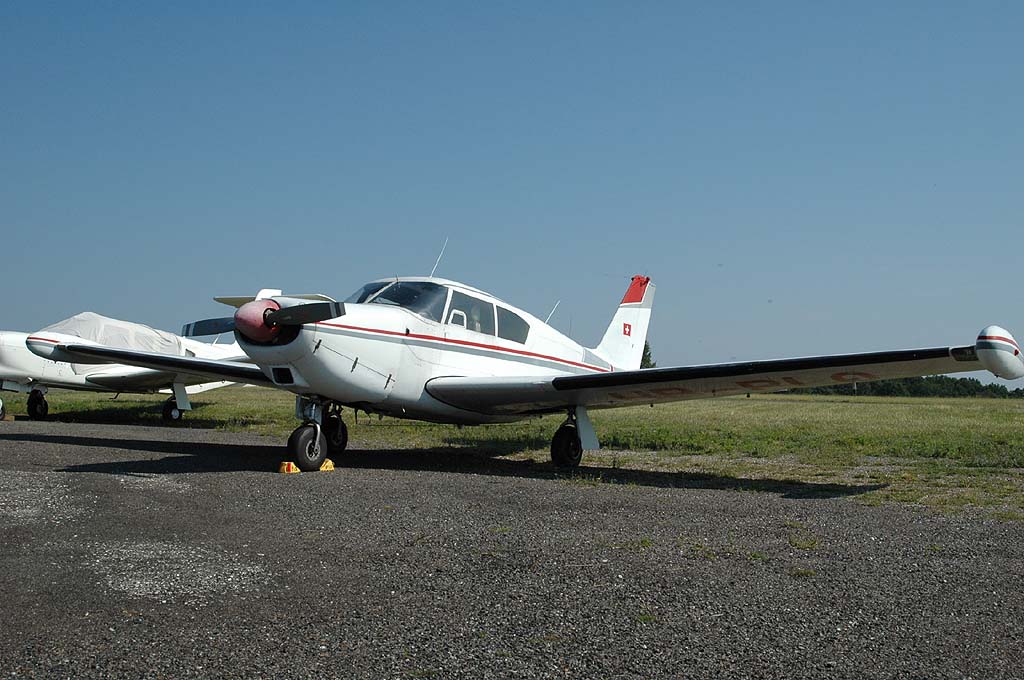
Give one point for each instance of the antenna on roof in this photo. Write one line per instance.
(439, 256)
(552, 312)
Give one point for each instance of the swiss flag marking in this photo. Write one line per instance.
(627, 329)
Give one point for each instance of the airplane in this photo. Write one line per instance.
(437, 350)
(23, 371)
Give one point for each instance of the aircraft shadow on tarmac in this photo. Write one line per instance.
(200, 456)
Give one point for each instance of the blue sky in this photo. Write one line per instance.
(798, 178)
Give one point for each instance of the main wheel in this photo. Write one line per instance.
(336, 434)
(37, 406)
(566, 449)
(3, 410)
(306, 449)
(171, 412)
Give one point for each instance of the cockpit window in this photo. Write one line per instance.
(422, 297)
(365, 292)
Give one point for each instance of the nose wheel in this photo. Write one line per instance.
(37, 405)
(308, 447)
(322, 433)
(171, 412)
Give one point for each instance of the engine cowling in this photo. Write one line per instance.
(999, 353)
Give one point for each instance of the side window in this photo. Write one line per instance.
(475, 315)
(511, 326)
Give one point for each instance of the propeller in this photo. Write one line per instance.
(224, 324)
(261, 320)
(300, 314)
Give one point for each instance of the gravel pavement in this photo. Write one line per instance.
(170, 552)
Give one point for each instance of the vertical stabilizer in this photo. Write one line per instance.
(623, 342)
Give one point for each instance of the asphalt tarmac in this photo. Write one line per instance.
(151, 552)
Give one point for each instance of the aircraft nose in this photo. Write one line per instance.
(249, 320)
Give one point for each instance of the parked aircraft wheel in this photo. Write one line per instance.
(3, 410)
(566, 449)
(336, 434)
(37, 406)
(172, 413)
(306, 449)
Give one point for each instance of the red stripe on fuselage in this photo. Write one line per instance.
(467, 343)
(998, 337)
(32, 337)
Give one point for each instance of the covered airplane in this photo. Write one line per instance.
(23, 371)
(432, 349)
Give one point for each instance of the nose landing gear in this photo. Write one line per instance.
(322, 432)
(308, 447)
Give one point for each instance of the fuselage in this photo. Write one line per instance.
(399, 334)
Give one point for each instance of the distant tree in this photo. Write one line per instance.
(646, 361)
(930, 386)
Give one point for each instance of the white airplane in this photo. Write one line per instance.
(437, 350)
(23, 371)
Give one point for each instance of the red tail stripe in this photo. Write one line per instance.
(998, 337)
(636, 290)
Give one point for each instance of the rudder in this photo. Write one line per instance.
(623, 343)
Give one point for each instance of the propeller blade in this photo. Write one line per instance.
(302, 314)
(224, 324)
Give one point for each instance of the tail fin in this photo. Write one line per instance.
(623, 342)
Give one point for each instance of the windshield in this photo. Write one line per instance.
(425, 298)
(366, 291)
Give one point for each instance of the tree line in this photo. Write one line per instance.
(930, 386)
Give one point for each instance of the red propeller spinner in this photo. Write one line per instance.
(251, 320)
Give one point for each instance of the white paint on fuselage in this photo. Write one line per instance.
(380, 358)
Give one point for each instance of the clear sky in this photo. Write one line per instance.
(798, 178)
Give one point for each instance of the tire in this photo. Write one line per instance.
(304, 449)
(38, 408)
(566, 449)
(336, 433)
(171, 412)
(3, 410)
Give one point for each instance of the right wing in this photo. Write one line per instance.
(515, 395)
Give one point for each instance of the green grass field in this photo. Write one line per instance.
(946, 454)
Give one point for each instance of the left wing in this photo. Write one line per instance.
(176, 368)
(543, 394)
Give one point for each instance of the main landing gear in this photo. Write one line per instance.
(37, 405)
(574, 436)
(566, 447)
(3, 410)
(171, 412)
(322, 433)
